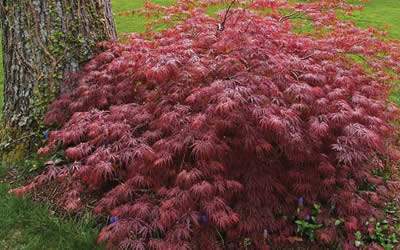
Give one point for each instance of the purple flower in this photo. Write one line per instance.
(46, 134)
(265, 233)
(204, 218)
(308, 217)
(114, 219)
(301, 201)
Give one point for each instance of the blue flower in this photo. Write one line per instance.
(265, 233)
(46, 134)
(114, 219)
(301, 201)
(204, 218)
(308, 217)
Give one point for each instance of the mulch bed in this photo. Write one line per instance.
(13, 176)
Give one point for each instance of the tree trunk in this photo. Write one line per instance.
(43, 42)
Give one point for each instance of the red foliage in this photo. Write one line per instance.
(199, 129)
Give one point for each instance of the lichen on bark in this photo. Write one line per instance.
(13, 145)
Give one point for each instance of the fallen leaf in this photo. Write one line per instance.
(295, 239)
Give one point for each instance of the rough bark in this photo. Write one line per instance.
(43, 42)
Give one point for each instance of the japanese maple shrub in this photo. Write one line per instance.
(200, 138)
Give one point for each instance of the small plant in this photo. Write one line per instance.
(339, 222)
(309, 224)
(247, 242)
(33, 164)
(38, 163)
(358, 239)
(383, 232)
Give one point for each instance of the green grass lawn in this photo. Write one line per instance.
(129, 23)
(25, 225)
(378, 13)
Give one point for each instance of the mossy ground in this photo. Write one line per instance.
(26, 225)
